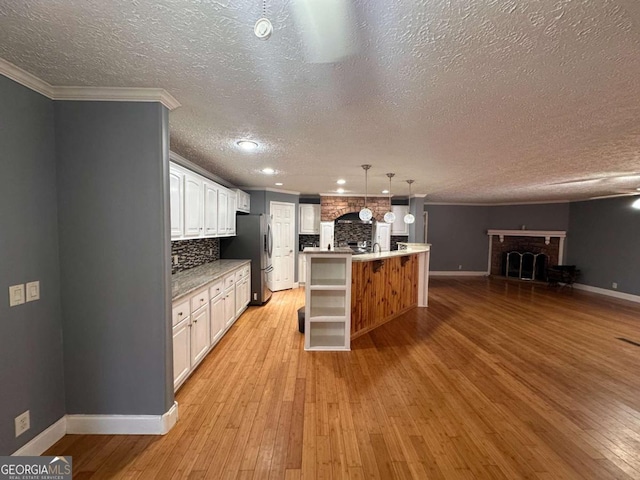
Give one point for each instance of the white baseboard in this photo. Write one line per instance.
(296, 284)
(607, 292)
(457, 273)
(123, 424)
(38, 445)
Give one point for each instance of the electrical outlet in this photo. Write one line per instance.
(23, 423)
(459, 267)
(175, 259)
(614, 285)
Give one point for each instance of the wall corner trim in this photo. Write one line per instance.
(123, 424)
(106, 94)
(38, 445)
(609, 293)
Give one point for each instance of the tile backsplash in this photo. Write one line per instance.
(193, 253)
(306, 240)
(352, 232)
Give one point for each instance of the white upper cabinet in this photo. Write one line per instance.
(192, 205)
(382, 236)
(210, 209)
(399, 227)
(199, 207)
(231, 216)
(326, 234)
(176, 184)
(243, 201)
(223, 211)
(309, 223)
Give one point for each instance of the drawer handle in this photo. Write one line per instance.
(180, 314)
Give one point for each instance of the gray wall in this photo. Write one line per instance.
(113, 165)
(602, 242)
(458, 233)
(551, 216)
(31, 364)
(458, 236)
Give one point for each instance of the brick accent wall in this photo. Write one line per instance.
(334, 207)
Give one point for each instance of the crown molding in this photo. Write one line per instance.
(25, 78)
(268, 189)
(116, 94)
(453, 204)
(100, 94)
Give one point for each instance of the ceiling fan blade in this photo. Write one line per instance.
(327, 29)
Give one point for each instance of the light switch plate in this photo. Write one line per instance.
(16, 295)
(33, 291)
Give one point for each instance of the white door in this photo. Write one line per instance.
(229, 306)
(399, 227)
(176, 178)
(192, 206)
(309, 219)
(217, 318)
(283, 223)
(210, 209)
(181, 354)
(231, 216)
(326, 235)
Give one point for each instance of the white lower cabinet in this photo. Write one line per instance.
(200, 338)
(181, 352)
(201, 319)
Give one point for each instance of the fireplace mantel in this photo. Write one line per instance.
(546, 234)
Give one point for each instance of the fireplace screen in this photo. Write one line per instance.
(524, 265)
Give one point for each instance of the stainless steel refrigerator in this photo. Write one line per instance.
(253, 241)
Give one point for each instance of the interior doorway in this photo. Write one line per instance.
(283, 223)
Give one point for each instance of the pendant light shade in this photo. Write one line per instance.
(409, 218)
(365, 214)
(390, 217)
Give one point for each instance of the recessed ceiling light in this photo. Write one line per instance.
(247, 145)
(340, 190)
(279, 184)
(341, 181)
(268, 171)
(385, 191)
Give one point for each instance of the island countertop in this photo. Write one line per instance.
(416, 248)
(183, 283)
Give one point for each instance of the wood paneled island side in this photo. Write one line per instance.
(386, 285)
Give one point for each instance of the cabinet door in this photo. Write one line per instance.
(181, 352)
(217, 318)
(383, 236)
(229, 307)
(309, 219)
(231, 218)
(176, 182)
(223, 210)
(199, 334)
(326, 234)
(399, 227)
(247, 290)
(192, 206)
(302, 268)
(210, 209)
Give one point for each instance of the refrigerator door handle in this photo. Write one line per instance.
(269, 240)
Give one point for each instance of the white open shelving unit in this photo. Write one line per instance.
(328, 301)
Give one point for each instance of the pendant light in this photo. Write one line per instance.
(409, 218)
(365, 213)
(390, 217)
(263, 27)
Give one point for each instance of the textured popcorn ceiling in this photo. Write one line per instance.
(477, 100)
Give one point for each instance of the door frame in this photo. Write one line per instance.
(292, 238)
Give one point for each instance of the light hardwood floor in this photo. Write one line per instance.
(494, 380)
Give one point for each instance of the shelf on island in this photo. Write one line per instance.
(327, 282)
(326, 334)
(328, 271)
(321, 311)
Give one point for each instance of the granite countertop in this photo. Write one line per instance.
(367, 257)
(188, 281)
(336, 250)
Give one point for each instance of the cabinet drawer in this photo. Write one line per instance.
(245, 271)
(180, 311)
(216, 289)
(240, 274)
(229, 281)
(199, 299)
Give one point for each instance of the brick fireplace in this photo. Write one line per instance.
(549, 243)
